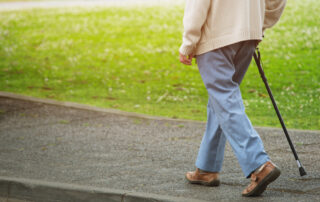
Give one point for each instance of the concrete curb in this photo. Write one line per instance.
(88, 107)
(119, 112)
(36, 190)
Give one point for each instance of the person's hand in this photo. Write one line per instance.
(187, 60)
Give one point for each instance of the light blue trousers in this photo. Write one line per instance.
(222, 71)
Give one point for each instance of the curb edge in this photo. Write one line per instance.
(37, 190)
(121, 113)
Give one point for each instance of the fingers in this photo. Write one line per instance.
(186, 60)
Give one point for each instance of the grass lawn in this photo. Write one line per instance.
(7, 1)
(127, 58)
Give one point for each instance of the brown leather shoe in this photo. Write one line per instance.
(260, 179)
(204, 178)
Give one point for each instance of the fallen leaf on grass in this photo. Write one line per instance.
(18, 72)
(263, 95)
(46, 88)
(50, 96)
(107, 98)
(195, 111)
(110, 98)
(179, 89)
(178, 85)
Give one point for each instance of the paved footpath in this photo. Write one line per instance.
(51, 149)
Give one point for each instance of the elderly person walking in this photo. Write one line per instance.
(223, 35)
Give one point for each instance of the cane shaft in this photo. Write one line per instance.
(257, 60)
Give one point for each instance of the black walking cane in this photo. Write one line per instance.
(257, 59)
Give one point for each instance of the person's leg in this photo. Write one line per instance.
(242, 60)
(211, 151)
(217, 69)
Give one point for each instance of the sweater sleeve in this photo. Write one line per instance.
(195, 15)
(273, 11)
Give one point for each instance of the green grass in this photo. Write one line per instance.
(7, 1)
(127, 58)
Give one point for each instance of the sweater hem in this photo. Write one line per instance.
(226, 40)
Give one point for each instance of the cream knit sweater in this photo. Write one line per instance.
(212, 24)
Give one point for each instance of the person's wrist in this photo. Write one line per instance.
(185, 50)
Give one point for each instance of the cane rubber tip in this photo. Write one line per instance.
(302, 171)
